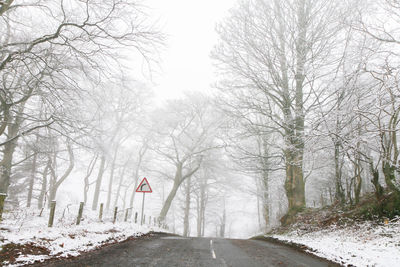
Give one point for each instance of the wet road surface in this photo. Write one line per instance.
(167, 250)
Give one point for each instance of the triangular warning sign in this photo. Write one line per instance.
(144, 186)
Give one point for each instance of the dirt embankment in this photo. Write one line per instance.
(368, 209)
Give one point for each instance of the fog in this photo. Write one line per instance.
(238, 113)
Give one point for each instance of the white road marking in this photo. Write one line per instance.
(212, 250)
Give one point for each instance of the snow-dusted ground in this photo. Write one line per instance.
(64, 238)
(364, 244)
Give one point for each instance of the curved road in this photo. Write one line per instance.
(166, 250)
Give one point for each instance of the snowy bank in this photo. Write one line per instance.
(363, 244)
(25, 237)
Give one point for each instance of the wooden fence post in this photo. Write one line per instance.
(136, 214)
(2, 198)
(78, 220)
(52, 211)
(126, 215)
(115, 214)
(101, 211)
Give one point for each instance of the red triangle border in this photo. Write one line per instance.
(138, 188)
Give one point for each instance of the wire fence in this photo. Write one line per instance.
(75, 214)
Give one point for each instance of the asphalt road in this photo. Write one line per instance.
(166, 250)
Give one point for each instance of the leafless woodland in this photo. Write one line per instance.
(305, 109)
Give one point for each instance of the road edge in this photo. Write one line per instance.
(82, 254)
(297, 246)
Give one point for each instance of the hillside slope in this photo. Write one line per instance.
(352, 236)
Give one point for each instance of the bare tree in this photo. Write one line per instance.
(56, 181)
(186, 131)
(271, 55)
(62, 39)
(186, 215)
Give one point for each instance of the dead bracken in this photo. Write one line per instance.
(10, 252)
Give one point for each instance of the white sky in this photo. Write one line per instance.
(189, 25)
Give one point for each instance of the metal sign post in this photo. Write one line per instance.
(144, 187)
(141, 219)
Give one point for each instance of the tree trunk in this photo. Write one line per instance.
(366, 178)
(265, 179)
(265, 203)
(203, 224)
(294, 171)
(294, 183)
(168, 202)
(8, 150)
(223, 223)
(294, 123)
(141, 154)
(54, 183)
(5, 6)
(120, 184)
(198, 219)
(98, 182)
(389, 174)
(179, 178)
(133, 192)
(31, 180)
(187, 209)
(349, 191)
(118, 192)
(357, 179)
(52, 192)
(173, 221)
(5, 166)
(258, 195)
(14, 125)
(375, 181)
(110, 182)
(202, 208)
(86, 179)
(339, 192)
(172, 193)
(124, 200)
(44, 186)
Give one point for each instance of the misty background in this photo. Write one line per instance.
(238, 113)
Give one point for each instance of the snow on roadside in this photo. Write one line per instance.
(65, 238)
(364, 244)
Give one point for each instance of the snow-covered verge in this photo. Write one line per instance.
(25, 237)
(359, 244)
